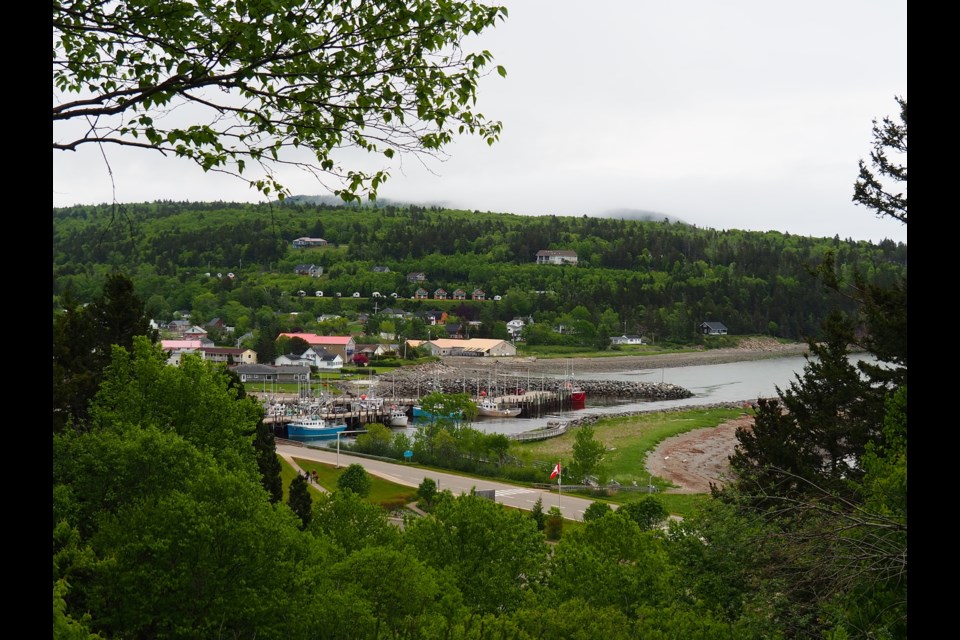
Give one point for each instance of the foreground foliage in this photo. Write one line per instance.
(271, 83)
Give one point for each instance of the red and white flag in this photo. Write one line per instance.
(556, 471)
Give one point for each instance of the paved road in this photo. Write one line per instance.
(508, 494)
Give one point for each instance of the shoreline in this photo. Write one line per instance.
(583, 367)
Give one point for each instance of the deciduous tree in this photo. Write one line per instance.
(492, 553)
(355, 478)
(271, 83)
(587, 453)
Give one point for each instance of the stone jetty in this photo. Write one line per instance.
(411, 382)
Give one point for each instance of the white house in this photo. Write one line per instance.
(314, 357)
(300, 243)
(556, 256)
(515, 327)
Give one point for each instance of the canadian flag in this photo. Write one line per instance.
(556, 471)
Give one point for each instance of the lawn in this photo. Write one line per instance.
(628, 440)
(382, 492)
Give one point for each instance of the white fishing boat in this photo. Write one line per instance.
(397, 417)
(487, 407)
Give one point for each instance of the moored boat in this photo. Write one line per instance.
(420, 412)
(397, 417)
(314, 428)
(488, 407)
(578, 397)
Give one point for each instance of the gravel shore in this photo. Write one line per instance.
(753, 349)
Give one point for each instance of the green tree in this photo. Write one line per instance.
(816, 459)
(372, 576)
(610, 562)
(267, 78)
(812, 438)
(587, 453)
(355, 478)
(267, 461)
(212, 557)
(195, 400)
(553, 527)
(264, 445)
(376, 440)
(427, 492)
(351, 522)
(83, 338)
(648, 512)
(300, 500)
(873, 188)
(491, 553)
(449, 407)
(538, 514)
(64, 626)
(291, 344)
(596, 510)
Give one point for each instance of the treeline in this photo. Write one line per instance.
(657, 278)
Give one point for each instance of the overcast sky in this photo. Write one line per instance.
(746, 114)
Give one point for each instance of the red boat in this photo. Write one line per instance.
(578, 397)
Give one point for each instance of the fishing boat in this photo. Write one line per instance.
(488, 407)
(420, 412)
(313, 427)
(397, 417)
(578, 397)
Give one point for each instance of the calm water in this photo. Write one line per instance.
(732, 382)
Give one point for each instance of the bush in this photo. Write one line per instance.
(396, 504)
(554, 525)
(355, 479)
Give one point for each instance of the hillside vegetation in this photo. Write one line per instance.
(659, 279)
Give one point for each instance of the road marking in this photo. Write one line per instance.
(513, 492)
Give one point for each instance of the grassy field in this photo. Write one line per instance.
(628, 441)
(382, 492)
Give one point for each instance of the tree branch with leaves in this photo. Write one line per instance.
(235, 83)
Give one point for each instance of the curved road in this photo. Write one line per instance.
(571, 507)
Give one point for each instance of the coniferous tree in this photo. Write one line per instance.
(270, 467)
(83, 338)
(538, 515)
(813, 437)
(300, 501)
(826, 465)
(553, 526)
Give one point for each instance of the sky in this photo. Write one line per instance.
(743, 114)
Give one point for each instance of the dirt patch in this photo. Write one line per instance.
(693, 460)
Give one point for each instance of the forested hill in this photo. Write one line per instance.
(632, 276)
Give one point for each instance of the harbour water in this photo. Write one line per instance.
(710, 384)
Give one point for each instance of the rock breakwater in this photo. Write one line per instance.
(411, 382)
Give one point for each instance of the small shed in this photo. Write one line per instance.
(713, 328)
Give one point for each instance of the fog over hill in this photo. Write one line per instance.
(639, 214)
(625, 214)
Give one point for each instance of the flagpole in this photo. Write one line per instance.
(559, 482)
